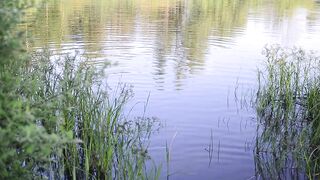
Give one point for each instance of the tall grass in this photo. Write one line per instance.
(109, 145)
(57, 119)
(287, 105)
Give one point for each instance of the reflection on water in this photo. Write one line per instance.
(190, 55)
(169, 30)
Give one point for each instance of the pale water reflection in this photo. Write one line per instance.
(191, 56)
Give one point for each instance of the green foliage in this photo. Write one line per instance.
(11, 12)
(288, 102)
(109, 145)
(56, 121)
(20, 136)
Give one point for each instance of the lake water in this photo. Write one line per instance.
(197, 59)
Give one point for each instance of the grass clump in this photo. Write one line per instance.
(57, 121)
(287, 103)
(108, 145)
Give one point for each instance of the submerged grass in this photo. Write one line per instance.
(287, 104)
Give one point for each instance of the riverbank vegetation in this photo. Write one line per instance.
(288, 107)
(57, 121)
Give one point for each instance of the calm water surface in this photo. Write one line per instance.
(191, 56)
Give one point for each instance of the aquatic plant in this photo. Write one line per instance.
(108, 145)
(287, 103)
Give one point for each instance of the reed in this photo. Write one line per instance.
(106, 144)
(287, 104)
